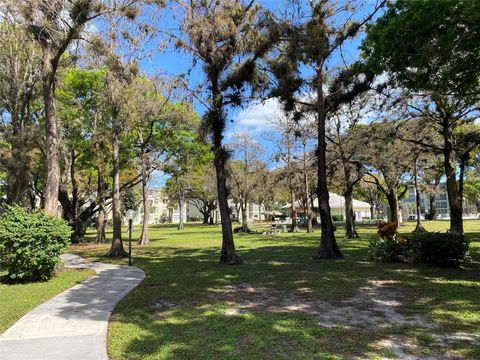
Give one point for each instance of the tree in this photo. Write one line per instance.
(79, 108)
(120, 52)
(345, 141)
(313, 38)
(55, 25)
(304, 131)
(150, 118)
(286, 144)
(20, 65)
(472, 185)
(227, 38)
(431, 48)
(189, 155)
(368, 191)
(203, 191)
(245, 172)
(388, 161)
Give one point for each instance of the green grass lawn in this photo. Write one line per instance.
(274, 306)
(17, 299)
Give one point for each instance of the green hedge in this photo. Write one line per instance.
(440, 249)
(31, 243)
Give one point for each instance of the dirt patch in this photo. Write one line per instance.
(375, 307)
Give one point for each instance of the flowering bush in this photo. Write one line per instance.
(440, 249)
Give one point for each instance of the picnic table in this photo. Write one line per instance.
(274, 229)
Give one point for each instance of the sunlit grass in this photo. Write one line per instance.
(183, 271)
(17, 299)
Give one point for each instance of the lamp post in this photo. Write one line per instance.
(130, 214)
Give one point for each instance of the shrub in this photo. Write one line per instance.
(384, 250)
(31, 243)
(387, 230)
(337, 217)
(440, 249)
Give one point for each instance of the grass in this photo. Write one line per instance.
(176, 313)
(17, 299)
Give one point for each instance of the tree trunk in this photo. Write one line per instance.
(116, 249)
(181, 203)
(144, 240)
(419, 227)
(17, 167)
(294, 226)
(228, 254)
(393, 203)
(212, 217)
(309, 215)
(101, 237)
(328, 245)
(52, 151)
(454, 198)
(372, 212)
(351, 233)
(244, 209)
(433, 207)
(206, 215)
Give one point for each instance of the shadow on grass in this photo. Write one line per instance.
(182, 270)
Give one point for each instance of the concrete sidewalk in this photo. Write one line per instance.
(73, 324)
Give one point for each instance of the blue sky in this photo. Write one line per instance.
(252, 117)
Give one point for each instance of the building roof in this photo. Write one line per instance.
(337, 202)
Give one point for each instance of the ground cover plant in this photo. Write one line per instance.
(283, 304)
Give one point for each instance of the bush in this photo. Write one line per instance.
(387, 230)
(337, 217)
(440, 249)
(31, 243)
(384, 250)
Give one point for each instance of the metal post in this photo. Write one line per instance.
(130, 242)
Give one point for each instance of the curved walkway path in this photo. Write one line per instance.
(72, 325)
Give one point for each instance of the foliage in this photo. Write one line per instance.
(386, 230)
(385, 248)
(435, 248)
(337, 217)
(428, 45)
(130, 199)
(441, 249)
(30, 244)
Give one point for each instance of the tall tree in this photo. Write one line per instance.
(203, 190)
(188, 155)
(228, 38)
(285, 149)
(79, 107)
(385, 155)
(55, 24)
(345, 143)
(431, 48)
(20, 65)
(313, 38)
(245, 172)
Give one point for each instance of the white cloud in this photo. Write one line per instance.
(257, 117)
